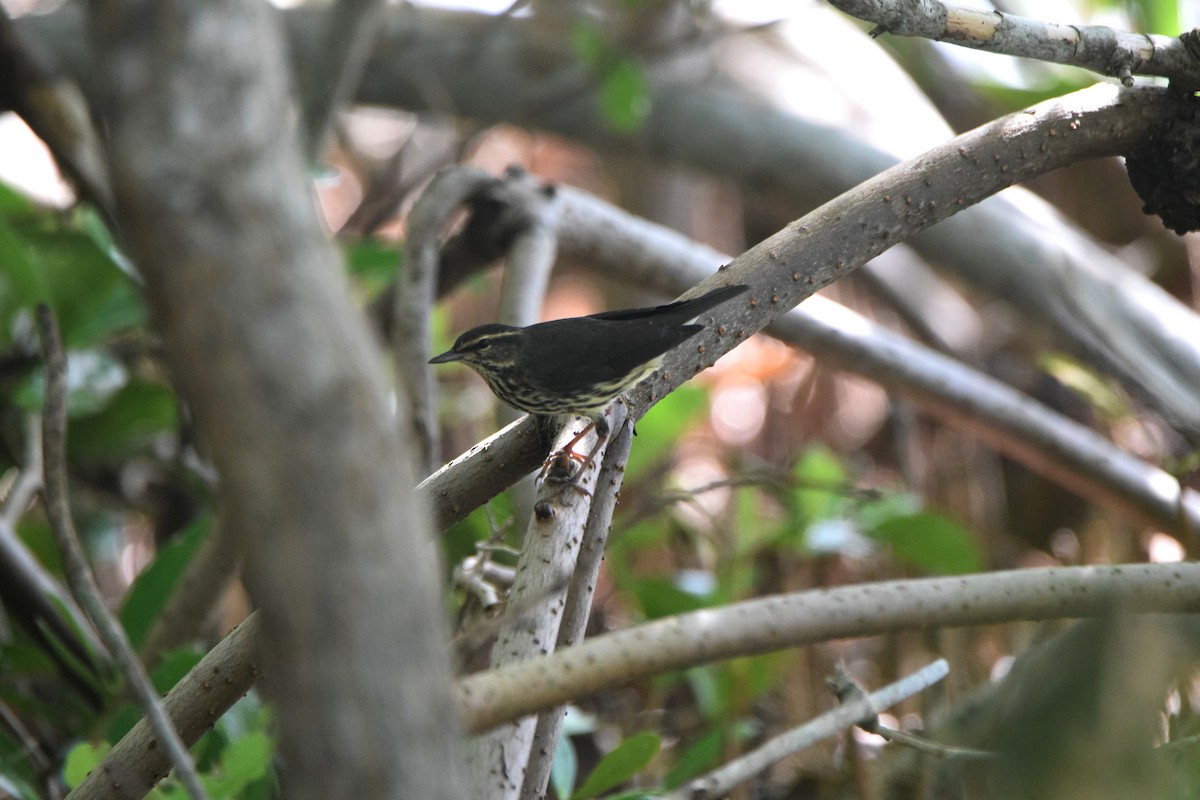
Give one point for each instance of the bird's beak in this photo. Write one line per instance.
(446, 357)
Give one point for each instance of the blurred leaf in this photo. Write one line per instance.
(819, 478)
(247, 759)
(658, 432)
(1095, 390)
(156, 583)
(82, 759)
(630, 758)
(373, 263)
(565, 767)
(35, 533)
(931, 542)
(141, 411)
(70, 263)
(659, 598)
(93, 378)
(1155, 16)
(711, 689)
(699, 757)
(625, 96)
(887, 506)
(13, 203)
(589, 44)
(174, 665)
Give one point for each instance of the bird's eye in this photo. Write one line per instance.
(483, 345)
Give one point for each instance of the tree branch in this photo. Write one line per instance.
(1116, 54)
(616, 243)
(288, 391)
(792, 620)
(720, 782)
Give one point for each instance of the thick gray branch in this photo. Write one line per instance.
(288, 391)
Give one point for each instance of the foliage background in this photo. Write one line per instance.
(769, 473)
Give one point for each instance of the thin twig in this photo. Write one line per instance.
(849, 691)
(412, 343)
(28, 481)
(79, 575)
(719, 782)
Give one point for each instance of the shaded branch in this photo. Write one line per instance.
(134, 765)
(802, 618)
(79, 574)
(412, 342)
(720, 782)
(288, 391)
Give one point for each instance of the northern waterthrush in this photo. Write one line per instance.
(577, 366)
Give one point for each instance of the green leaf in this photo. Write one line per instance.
(69, 262)
(13, 202)
(82, 759)
(819, 476)
(658, 432)
(625, 97)
(247, 759)
(711, 687)
(137, 414)
(931, 542)
(699, 757)
(94, 377)
(659, 598)
(565, 767)
(630, 758)
(373, 263)
(173, 665)
(156, 583)
(589, 44)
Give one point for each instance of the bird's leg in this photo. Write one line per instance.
(570, 448)
(568, 451)
(602, 430)
(567, 454)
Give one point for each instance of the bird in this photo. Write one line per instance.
(577, 366)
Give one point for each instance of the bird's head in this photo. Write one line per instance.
(484, 349)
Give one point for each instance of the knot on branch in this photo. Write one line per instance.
(1165, 172)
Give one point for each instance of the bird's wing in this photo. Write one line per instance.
(595, 350)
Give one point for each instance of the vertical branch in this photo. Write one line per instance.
(289, 393)
(578, 607)
(79, 575)
(550, 552)
(416, 289)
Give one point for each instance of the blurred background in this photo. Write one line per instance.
(767, 473)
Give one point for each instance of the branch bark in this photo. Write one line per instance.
(288, 393)
(1111, 52)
